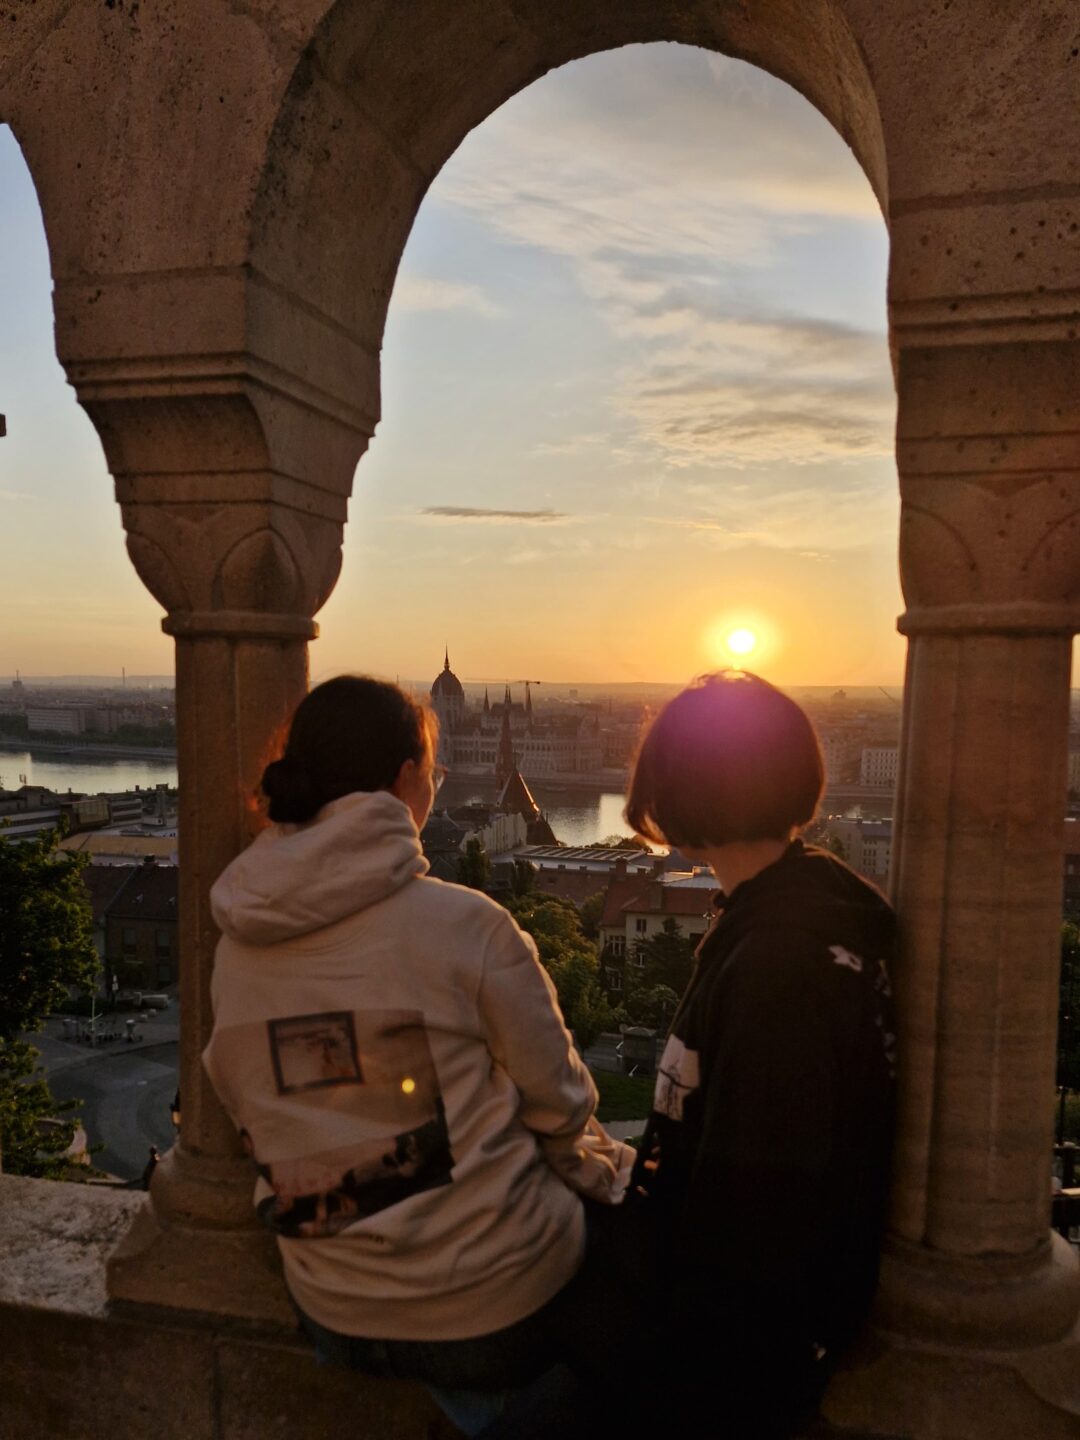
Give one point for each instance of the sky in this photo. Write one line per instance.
(636, 394)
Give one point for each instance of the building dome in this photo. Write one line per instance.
(447, 686)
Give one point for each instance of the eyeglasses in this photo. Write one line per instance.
(438, 775)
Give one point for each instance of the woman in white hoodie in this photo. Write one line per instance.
(394, 1057)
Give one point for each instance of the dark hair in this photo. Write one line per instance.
(730, 758)
(351, 733)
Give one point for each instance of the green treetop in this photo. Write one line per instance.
(569, 958)
(46, 947)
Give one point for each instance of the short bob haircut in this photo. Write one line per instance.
(730, 758)
(349, 734)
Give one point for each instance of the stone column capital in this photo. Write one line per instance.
(989, 461)
(234, 501)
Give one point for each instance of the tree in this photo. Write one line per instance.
(591, 911)
(46, 947)
(651, 1005)
(615, 841)
(668, 957)
(569, 958)
(473, 867)
(522, 879)
(835, 845)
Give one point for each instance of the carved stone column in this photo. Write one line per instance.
(978, 1301)
(234, 505)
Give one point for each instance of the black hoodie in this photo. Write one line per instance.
(764, 1167)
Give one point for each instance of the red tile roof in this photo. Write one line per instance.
(634, 895)
(621, 889)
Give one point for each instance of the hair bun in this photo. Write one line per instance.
(288, 787)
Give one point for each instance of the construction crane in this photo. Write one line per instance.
(898, 703)
(497, 680)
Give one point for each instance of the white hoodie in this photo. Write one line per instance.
(393, 1055)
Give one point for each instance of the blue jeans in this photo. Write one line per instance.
(470, 1380)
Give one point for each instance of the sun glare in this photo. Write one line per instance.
(741, 639)
(741, 642)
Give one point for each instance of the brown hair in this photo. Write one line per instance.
(730, 758)
(351, 733)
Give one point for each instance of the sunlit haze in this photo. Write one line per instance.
(637, 409)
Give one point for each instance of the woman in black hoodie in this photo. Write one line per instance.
(746, 1256)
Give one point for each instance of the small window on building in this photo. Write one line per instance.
(640, 925)
(162, 943)
(128, 938)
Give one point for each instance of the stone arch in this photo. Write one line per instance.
(384, 94)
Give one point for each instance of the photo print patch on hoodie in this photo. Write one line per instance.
(341, 1111)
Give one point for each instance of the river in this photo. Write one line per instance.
(582, 819)
(577, 817)
(85, 773)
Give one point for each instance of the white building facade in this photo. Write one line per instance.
(879, 765)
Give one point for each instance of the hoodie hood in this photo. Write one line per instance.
(294, 879)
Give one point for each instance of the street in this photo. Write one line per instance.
(126, 1098)
(126, 1090)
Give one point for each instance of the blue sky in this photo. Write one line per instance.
(635, 390)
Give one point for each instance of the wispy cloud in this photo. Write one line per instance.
(418, 292)
(579, 168)
(781, 515)
(14, 495)
(680, 262)
(504, 517)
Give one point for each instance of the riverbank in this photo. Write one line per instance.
(481, 780)
(79, 751)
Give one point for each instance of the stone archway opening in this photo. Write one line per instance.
(638, 334)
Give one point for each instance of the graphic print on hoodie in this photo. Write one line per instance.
(338, 1075)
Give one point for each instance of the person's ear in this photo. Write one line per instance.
(404, 779)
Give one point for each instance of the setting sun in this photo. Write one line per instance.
(741, 642)
(739, 637)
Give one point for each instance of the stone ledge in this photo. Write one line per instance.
(69, 1368)
(54, 1239)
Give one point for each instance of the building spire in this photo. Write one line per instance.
(446, 661)
(505, 763)
(528, 703)
(487, 702)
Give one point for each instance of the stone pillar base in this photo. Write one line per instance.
(894, 1389)
(228, 1274)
